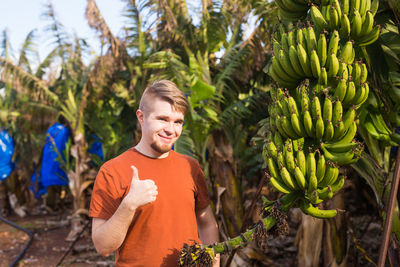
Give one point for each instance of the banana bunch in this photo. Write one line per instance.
(305, 117)
(354, 19)
(299, 54)
(292, 9)
(374, 123)
(310, 175)
(318, 104)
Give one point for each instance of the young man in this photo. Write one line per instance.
(150, 200)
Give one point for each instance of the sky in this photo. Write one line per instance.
(20, 17)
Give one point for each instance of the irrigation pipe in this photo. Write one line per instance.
(389, 211)
(30, 234)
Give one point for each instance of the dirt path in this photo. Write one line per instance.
(48, 245)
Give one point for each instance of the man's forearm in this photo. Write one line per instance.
(108, 235)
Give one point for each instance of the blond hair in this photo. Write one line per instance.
(167, 91)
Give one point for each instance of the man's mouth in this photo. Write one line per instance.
(165, 139)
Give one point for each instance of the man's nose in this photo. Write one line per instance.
(169, 127)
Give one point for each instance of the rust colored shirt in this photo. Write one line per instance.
(158, 230)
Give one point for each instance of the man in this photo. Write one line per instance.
(150, 200)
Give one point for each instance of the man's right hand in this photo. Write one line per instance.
(141, 192)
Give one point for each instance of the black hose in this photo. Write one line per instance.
(30, 234)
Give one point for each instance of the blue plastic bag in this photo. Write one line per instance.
(6, 153)
(50, 172)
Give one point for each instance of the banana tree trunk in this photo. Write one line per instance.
(335, 244)
(223, 170)
(309, 241)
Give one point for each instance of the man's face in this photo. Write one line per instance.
(161, 126)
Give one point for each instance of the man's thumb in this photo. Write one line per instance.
(135, 173)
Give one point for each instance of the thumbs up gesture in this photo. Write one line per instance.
(141, 192)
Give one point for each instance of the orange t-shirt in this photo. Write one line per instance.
(158, 230)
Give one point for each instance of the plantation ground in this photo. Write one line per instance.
(49, 244)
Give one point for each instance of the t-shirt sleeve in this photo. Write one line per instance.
(105, 197)
(202, 199)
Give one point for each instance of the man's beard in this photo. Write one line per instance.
(161, 149)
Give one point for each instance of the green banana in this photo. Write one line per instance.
(333, 65)
(272, 150)
(350, 134)
(374, 6)
(312, 182)
(335, 187)
(331, 174)
(339, 130)
(327, 109)
(304, 60)
(364, 73)
(321, 167)
(322, 49)
(311, 40)
(278, 185)
(337, 112)
(292, 105)
(310, 163)
(319, 127)
(309, 209)
(297, 125)
(356, 74)
(347, 53)
(356, 24)
(368, 23)
(294, 61)
(334, 18)
(305, 102)
(335, 147)
(350, 93)
(323, 77)
(316, 107)
(301, 161)
(318, 18)
(289, 158)
(278, 139)
(349, 117)
(278, 123)
(300, 179)
(288, 179)
(361, 91)
(273, 169)
(345, 6)
(287, 127)
(345, 26)
(340, 158)
(333, 43)
(308, 125)
(343, 71)
(370, 38)
(329, 131)
(340, 90)
(286, 65)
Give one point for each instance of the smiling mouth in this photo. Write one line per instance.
(165, 138)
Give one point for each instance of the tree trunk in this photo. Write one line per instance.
(309, 241)
(222, 170)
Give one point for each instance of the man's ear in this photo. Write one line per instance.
(140, 115)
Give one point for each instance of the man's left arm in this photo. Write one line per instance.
(208, 229)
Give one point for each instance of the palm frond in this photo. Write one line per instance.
(6, 46)
(138, 30)
(249, 110)
(35, 86)
(41, 70)
(55, 27)
(230, 64)
(27, 48)
(97, 22)
(185, 145)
